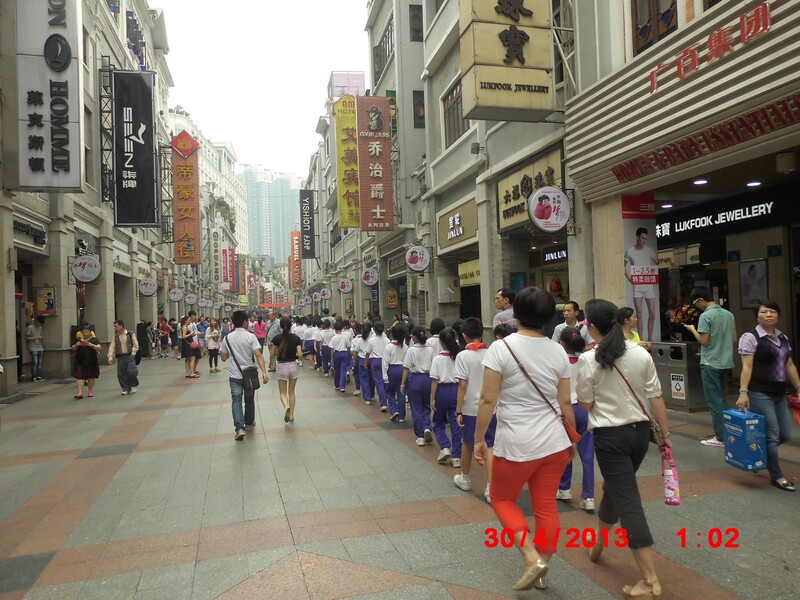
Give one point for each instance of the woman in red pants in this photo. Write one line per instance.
(531, 445)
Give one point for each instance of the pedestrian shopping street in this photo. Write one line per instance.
(149, 496)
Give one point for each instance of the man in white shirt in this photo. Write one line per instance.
(124, 347)
(245, 350)
(571, 311)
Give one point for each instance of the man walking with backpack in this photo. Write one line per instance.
(244, 350)
(124, 347)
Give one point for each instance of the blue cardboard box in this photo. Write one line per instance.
(745, 440)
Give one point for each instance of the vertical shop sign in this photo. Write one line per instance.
(307, 224)
(641, 262)
(234, 272)
(216, 260)
(295, 262)
(347, 185)
(186, 199)
(225, 265)
(135, 176)
(375, 177)
(42, 116)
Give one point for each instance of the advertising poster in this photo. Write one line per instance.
(344, 111)
(46, 301)
(641, 263)
(376, 195)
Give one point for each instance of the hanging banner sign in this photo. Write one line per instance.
(186, 199)
(86, 269)
(176, 295)
(216, 257)
(418, 258)
(549, 209)
(347, 186)
(295, 262)
(316, 296)
(307, 228)
(148, 287)
(375, 175)
(370, 277)
(135, 177)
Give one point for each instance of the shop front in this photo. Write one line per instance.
(396, 297)
(457, 245)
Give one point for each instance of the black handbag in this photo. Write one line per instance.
(250, 379)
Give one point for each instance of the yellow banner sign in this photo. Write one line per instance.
(344, 111)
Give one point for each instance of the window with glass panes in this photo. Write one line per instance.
(652, 20)
(454, 122)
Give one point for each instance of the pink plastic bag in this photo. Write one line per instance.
(672, 491)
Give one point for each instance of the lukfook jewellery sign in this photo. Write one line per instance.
(42, 81)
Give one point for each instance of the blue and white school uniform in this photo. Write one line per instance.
(357, 360)
(446, 400)
(317, 339)
(393, 355)
(434, 344)
(376, 345)
(327, 354)
(418, 361)
(308, 341)
(340, 346)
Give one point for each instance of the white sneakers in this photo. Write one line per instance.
(462, 482)
(563, 495)
(428, 436)
(134, 390)
(587, 504)
(455, 463)
(444, 456)
(239, 435)
(487, 495)
(712, 441)
(420, 441)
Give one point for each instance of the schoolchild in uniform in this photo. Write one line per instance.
(364, 375)
(373, 360)
(340, 346)
(417, 372)
(308, 340)
(444, 395)
(326, 333)
(574, 341)
(436, 327)
(356, 359)
(393, 356)
(469, 374)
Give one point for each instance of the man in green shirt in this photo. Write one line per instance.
(716, 333)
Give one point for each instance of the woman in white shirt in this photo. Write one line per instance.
(615, 379)
(373, 360)
(340, 349)
(444, 399)
(416, 371)
(531, 445)
(327, 358)
(393, 355)
(213, 337)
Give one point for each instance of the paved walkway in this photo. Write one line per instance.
(149, 496)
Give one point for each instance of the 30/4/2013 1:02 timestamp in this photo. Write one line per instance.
(713, 538)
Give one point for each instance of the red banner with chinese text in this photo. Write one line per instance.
(295, 262)
(186, 200)
(376, 197)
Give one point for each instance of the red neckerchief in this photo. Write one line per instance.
(395, 343)
(573, 360)
(476, 346)
(444, 354)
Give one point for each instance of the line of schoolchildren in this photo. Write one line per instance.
(440, 375)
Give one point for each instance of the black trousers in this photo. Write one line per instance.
(619, 452)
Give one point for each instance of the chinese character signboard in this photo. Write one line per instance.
(86, 269)
(549, 209)
(148, 287)
(307, 228)
(344, 112)
(418, 258)
(515, 190)
(186, 199)
(376, 196)
(295, 262)
(135, 176)
(457, 226)
(641, 262)
(42, 117)
(506, 51)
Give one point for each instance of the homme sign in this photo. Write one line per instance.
(40, 41)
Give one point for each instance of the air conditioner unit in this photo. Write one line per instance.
(449, 289)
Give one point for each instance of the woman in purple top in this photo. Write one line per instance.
(767, 367)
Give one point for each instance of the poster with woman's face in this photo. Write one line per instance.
(753, 282)
(46, 301)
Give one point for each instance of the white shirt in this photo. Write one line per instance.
(317, 335)
(614, 404)
(326, 335)
(393, 354)
(418, 359)
(357, 346)
(340, 342)
(589, 340)
(308, 334)
(469, 368)
(376, 346)
(527, 428)
(244, 344)
(443, 367)
(434, 344)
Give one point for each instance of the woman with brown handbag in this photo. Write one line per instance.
(612, 379)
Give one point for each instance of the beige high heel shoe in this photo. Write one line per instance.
(654, 595)
(531, 576)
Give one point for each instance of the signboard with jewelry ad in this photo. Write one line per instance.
(136, 193)
(186, 199)
(375, 177)
(506, 51)
(42, 74)
(515, 189)
(344, 115)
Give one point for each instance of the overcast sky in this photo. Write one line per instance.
(255, 72)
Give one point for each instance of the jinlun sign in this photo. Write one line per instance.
(40, 41)
(506, 53)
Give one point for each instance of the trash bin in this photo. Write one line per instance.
(678, 368)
